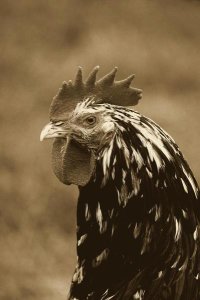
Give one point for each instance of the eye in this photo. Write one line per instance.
(91, 120)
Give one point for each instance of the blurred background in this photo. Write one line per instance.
(42, 43)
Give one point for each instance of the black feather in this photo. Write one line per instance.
(138, 219)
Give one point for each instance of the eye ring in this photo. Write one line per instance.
(91, 120)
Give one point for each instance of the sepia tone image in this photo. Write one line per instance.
(135, 233)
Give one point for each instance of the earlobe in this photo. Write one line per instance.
(71, 163)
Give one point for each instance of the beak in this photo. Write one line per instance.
(52, 131)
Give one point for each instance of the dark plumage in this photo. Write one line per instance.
(138, 210)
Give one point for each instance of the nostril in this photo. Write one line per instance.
(59, 123)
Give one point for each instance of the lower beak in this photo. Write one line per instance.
(52, 131)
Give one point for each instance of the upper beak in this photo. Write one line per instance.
(52, 131)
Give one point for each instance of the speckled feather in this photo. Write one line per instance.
(138, 218)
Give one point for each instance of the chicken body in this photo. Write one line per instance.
(138, 218)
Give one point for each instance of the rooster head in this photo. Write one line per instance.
(82, 124)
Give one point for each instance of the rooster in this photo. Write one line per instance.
(138, 210)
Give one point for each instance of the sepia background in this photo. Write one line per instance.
(42, 43)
